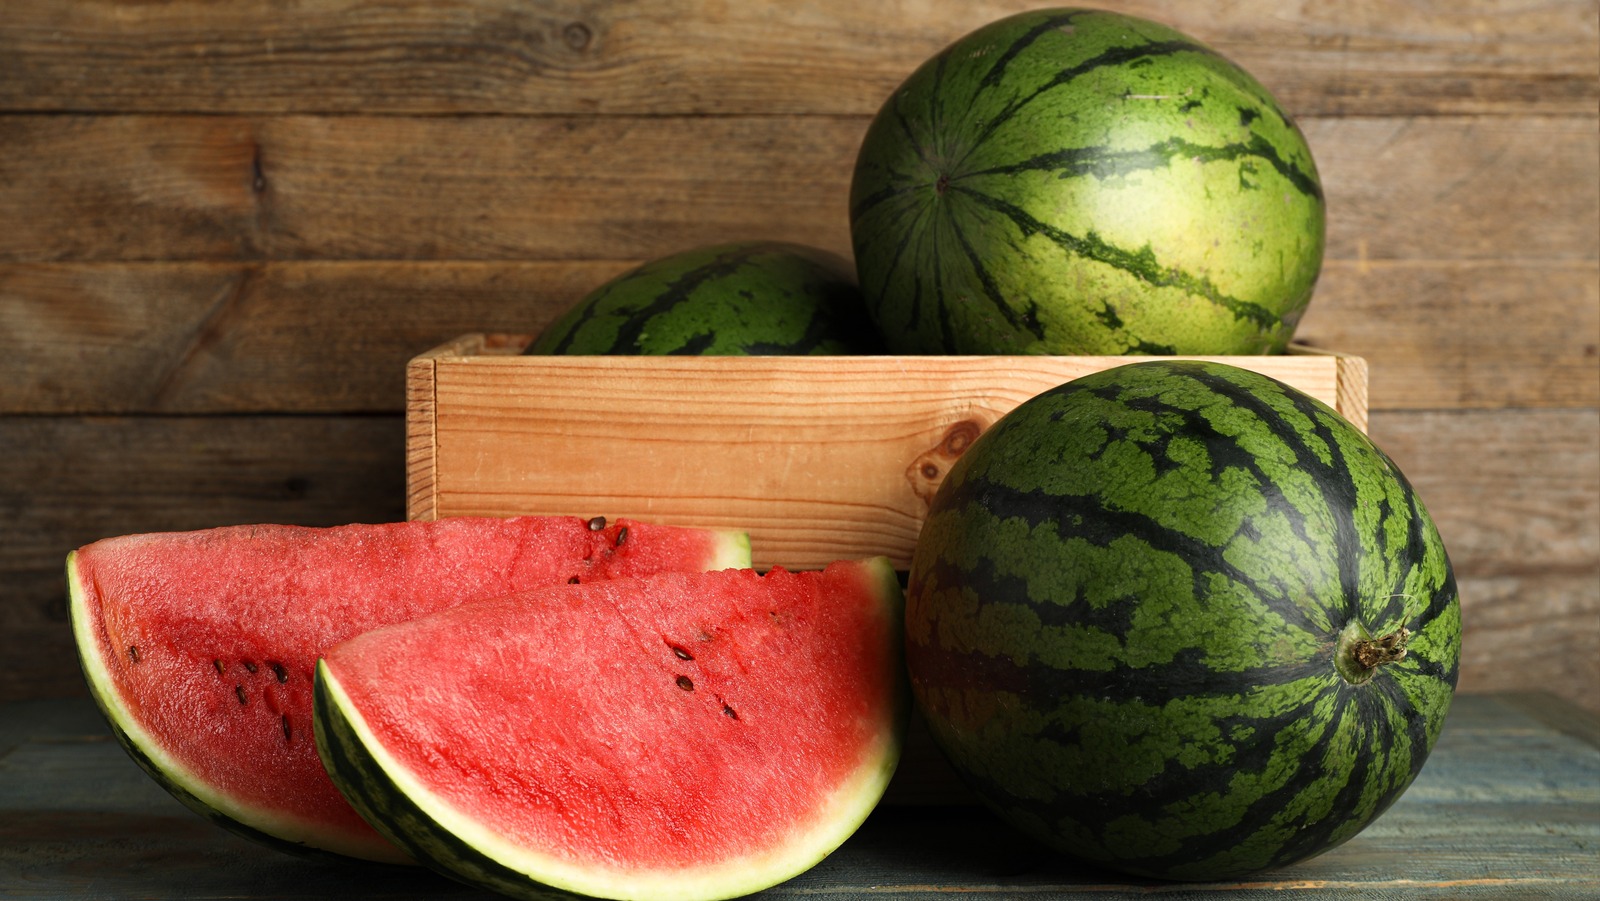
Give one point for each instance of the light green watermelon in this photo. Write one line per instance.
(1074, 181)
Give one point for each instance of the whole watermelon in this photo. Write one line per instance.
(1073, 181)
(1179, 619)
(744, 298)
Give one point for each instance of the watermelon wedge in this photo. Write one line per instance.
(200, 646)
(682, 736)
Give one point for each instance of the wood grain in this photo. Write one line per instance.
(67, 481)
(1514, 492)
(1510, 629)
(281, 337)
(1504, 808)
(108, 188)
(1464, 335)
(680, 57)
(334, 336)
(819, 459)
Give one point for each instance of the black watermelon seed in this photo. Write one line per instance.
(249, 667)
(622, 535)
(220, 668)
(281, 673)
(133, 653)
(682, 653)
(686, 683)
(573, 580)
(729, 712)
(238, 691)
(597, 523)
(286, 733)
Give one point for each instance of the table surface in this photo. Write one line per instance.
(1507, 807)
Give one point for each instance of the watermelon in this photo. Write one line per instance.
(200, 646)
(747, 298)
(688, 736)
(1071, 181)
(1179, 619)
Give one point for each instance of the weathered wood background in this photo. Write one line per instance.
(225, 227)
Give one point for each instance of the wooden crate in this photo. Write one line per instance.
(818, 458)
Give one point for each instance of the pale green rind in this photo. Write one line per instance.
(732, 550)
(397, 803)
(290, 834)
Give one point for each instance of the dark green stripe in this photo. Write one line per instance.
(821, 329)
(627, 340)
(1420, 537)
(1104, 162)
(1026, 319)
(875, 300)
(370, 790)
(1044, 26)
(1332, 478)
(910, 136)
(1185, 674)
(947, 329)
(938, 126)
(1336, 479)
(1115, 56)
(1223, 451)
(695, 346)
(1142, 265)
(1307, 836)
(1097, 520)
(182, 792)
(906, 185)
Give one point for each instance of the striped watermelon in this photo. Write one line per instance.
(1080, 182)
(742, 299)
(1179, 619)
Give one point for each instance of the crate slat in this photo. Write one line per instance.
(818, 458)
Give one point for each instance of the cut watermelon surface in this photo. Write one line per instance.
(200, 646)
(688, 736)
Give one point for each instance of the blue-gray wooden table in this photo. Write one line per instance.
(1507, 807)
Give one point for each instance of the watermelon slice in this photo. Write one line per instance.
(689, 736)
(199, 646)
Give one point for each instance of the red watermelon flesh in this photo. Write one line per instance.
(200, 646)
(684, 735)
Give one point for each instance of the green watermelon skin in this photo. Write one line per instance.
(1069, 181)
(1132, 610)
(752, 298)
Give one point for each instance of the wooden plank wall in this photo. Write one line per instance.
(224, 228)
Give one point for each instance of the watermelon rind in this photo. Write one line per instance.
(1182, 620)
(441, 835)
(286, 833)
(1077, 181)
(276, 826)
(731, 551)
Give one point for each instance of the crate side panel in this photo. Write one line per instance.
(819, 459)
